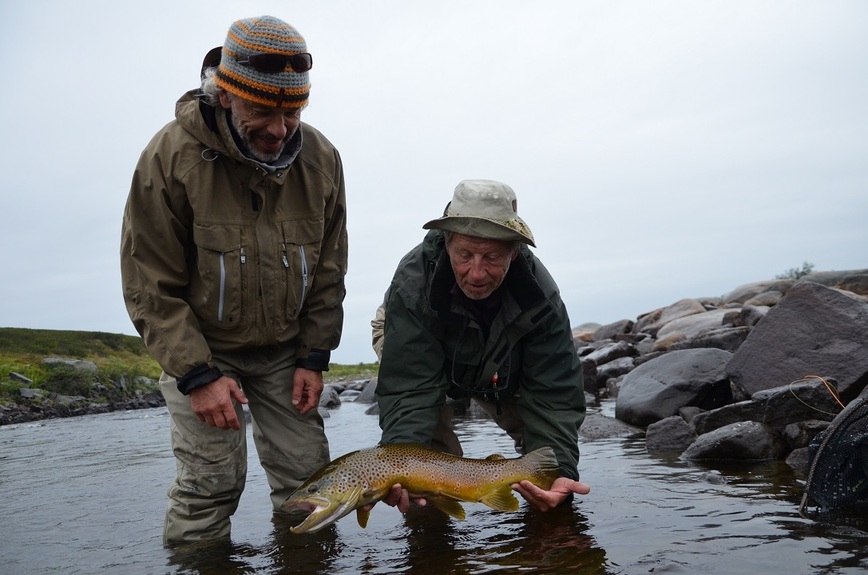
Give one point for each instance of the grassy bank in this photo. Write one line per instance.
(117, 358)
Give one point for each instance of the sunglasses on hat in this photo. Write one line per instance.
(274, 63)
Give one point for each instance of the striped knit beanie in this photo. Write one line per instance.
(287, 89)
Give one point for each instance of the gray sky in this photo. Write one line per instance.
(659, 150)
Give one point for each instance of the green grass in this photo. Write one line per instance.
(115, 355)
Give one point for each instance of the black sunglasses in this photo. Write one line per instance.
(274, 63)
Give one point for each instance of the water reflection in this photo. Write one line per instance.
(310, 553)
(87, 495)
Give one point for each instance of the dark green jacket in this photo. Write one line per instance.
(434, 347)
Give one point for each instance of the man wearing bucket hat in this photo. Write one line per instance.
(233, 257)
(472, 313)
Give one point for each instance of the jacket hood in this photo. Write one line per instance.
(191, 113)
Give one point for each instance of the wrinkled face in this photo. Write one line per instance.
(479, 264)
(265, 130)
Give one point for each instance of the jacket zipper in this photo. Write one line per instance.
(303, 276)
(221, 298)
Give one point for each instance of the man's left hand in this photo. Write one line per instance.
(307, 388)
(548, 500)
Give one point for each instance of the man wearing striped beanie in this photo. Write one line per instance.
(233, 257)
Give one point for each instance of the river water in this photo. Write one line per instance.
(86, 495)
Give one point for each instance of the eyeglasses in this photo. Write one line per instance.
(274, 63)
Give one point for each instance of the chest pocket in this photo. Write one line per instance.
(299, 253)
(218, 281)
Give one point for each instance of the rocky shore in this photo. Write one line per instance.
(752, 375)
(36, 404)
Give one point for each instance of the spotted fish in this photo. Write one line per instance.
(366, 476)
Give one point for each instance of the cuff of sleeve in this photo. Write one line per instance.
(198, 377)
(318, 360)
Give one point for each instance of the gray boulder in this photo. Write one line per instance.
(777, 407)
(746, 441)
(813, 330)
(598, 426)
(661, 387)
(670, 434)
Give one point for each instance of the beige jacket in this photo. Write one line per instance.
(220, 254)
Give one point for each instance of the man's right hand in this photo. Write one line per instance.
(400, 498)
(213, 403)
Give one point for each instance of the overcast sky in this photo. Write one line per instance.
(659, 150)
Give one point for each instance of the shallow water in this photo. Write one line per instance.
(86, 495)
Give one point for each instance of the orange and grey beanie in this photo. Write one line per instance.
(264, 35)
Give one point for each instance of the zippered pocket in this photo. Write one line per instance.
(217, 282)
(299, 253)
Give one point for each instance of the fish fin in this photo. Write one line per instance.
(448, 506)
(494, 457)
(362, 515)
(501, 499)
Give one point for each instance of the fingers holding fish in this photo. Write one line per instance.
(546, 500)
(401, 498)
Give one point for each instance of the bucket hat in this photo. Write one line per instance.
(483, 209)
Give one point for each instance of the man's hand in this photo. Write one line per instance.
(400, 498)
(548, 500)
(307, 388)
(212, 403)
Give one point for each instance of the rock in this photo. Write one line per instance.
(367, 395)
(671, 434)
(813, 330)
(855, 281)
(727, 415)
(30, 393)
(777, 407)
(746, 291)
(585, 332)
(330, 398)
(765, 299)
(751, 314)
(745, 441)
(727, 338)
(787, 404)
(609, 331)
(81, 365)
(610, 351)
(652, 322)
(615, 368)
(800, 434)
(18, 377)
(597, 426)
(692, 326)
(798, 459)
(659, 388)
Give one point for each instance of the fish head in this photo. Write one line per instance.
(328, 495)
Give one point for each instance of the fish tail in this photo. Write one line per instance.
(544, 459)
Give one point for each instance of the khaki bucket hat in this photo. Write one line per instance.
(483, 209)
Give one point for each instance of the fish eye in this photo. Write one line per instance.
(312, 488)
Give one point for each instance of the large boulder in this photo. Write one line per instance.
(814, 330)
(660, 387)
(746, 441)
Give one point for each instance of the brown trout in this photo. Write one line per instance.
(366, 476)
